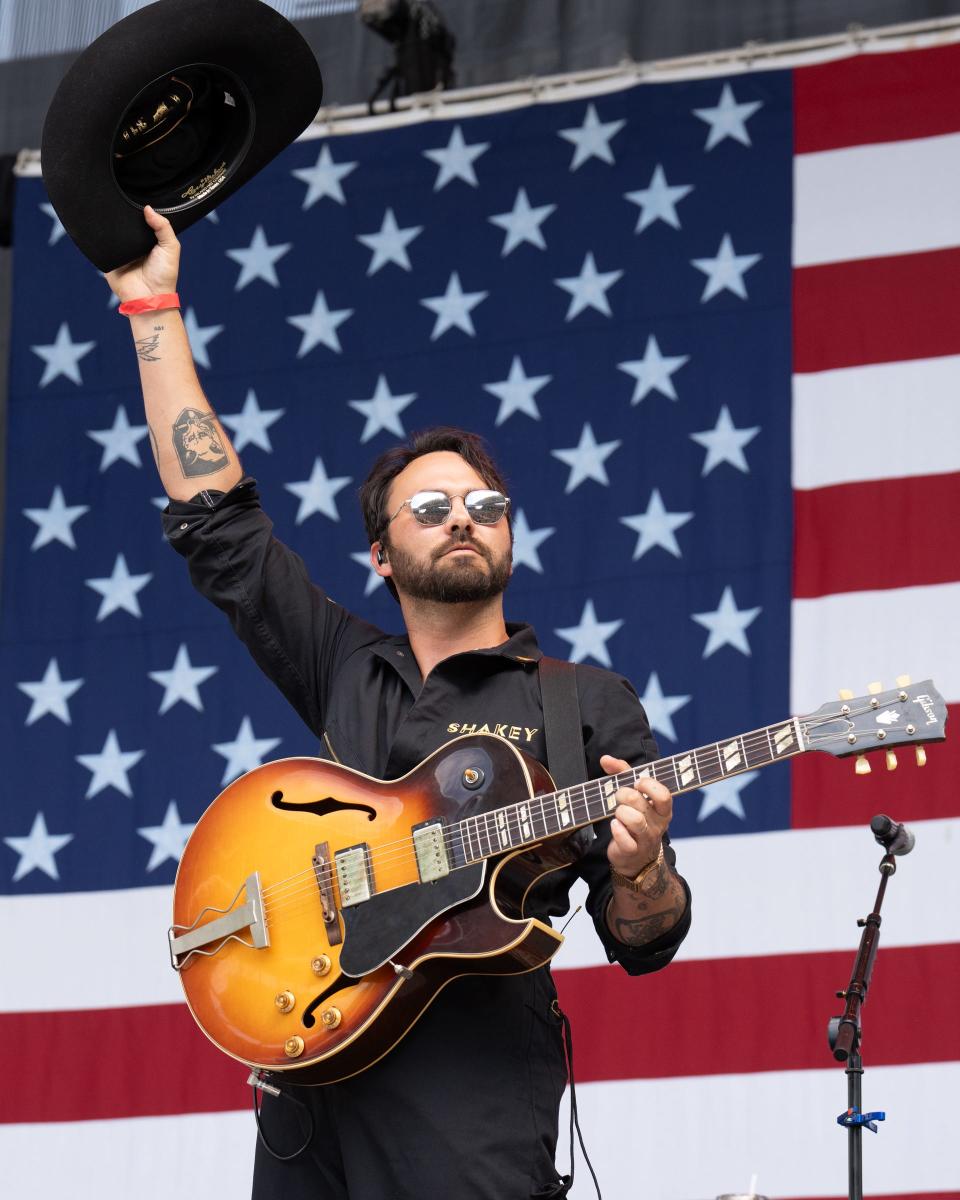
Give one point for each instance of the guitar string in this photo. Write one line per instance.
(386, 857)
(401, 852)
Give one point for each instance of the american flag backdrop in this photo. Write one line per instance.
(710, 327)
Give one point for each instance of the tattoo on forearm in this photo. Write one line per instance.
(638, 931)
(630, 918)
(198, 443)
(148, 347)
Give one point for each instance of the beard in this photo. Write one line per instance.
(456, 580)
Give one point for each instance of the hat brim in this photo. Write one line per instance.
(245, 38)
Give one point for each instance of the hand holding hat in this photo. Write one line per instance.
(154, 274)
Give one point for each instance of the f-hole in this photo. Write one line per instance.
(322, 808)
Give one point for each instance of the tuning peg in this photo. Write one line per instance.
(891, 761)
(846, 694)
(874, 688)
(921, 753)
(903, 681)
(862, 767)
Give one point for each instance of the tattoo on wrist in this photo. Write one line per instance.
(199, 445)
(148, 347)
(657, 882)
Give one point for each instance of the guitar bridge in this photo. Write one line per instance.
(248, 916)
(323, 870)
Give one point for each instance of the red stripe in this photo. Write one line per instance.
(877, 98)
(103, 1063)
(749, 1014)
(876, 310)
(915, 536)
(826, 792)
(757, 1014)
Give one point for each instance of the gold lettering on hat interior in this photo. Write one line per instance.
(203, 187)
(167, 112)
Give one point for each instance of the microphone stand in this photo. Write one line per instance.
(844, 1032)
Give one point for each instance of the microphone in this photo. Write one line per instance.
(895, 838)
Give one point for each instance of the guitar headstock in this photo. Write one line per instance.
(907, 715)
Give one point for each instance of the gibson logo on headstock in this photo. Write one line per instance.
(927, 705)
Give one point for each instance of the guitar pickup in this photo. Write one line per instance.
(353, 874)
(322, 870)
(430, 848)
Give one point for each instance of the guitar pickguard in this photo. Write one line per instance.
(376, 930)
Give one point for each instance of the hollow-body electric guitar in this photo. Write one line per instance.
(318, 911)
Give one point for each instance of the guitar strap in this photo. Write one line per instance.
(562, 730)
(567, 763)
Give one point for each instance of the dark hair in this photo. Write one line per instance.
(470, 446)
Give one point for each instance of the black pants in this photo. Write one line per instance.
(465, 1107)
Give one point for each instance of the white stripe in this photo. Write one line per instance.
(151, 1158)
(745, 905)
(713, 1134)
(847, 640)
(111, 953)
(872, 201)
(889, 420)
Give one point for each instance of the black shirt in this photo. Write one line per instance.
(360, 690)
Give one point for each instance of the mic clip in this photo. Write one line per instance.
(854, 1117)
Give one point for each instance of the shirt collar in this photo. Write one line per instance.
(520, 646)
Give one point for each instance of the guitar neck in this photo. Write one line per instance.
(519, 825)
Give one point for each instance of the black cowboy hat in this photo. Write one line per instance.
(175, 106)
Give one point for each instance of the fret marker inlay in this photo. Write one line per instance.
(731, 756)
(783, 738)
(563, 809)
(685, 771)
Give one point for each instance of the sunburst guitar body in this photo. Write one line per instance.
(319, 911)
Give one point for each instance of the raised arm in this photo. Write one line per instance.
(191, 449)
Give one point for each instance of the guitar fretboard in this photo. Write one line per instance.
(517, 825)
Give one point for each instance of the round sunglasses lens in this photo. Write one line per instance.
(430, 508)
(486, 508)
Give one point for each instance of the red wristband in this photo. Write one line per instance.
(130, 308)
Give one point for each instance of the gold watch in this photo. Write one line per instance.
(636, 885)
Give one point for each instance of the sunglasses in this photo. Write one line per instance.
(483, 506)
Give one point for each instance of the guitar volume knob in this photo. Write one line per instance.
(293, 1046)
(284, 1001)
(320, 965)
(331, 1017)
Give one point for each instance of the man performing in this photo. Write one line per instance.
(466, 1105)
